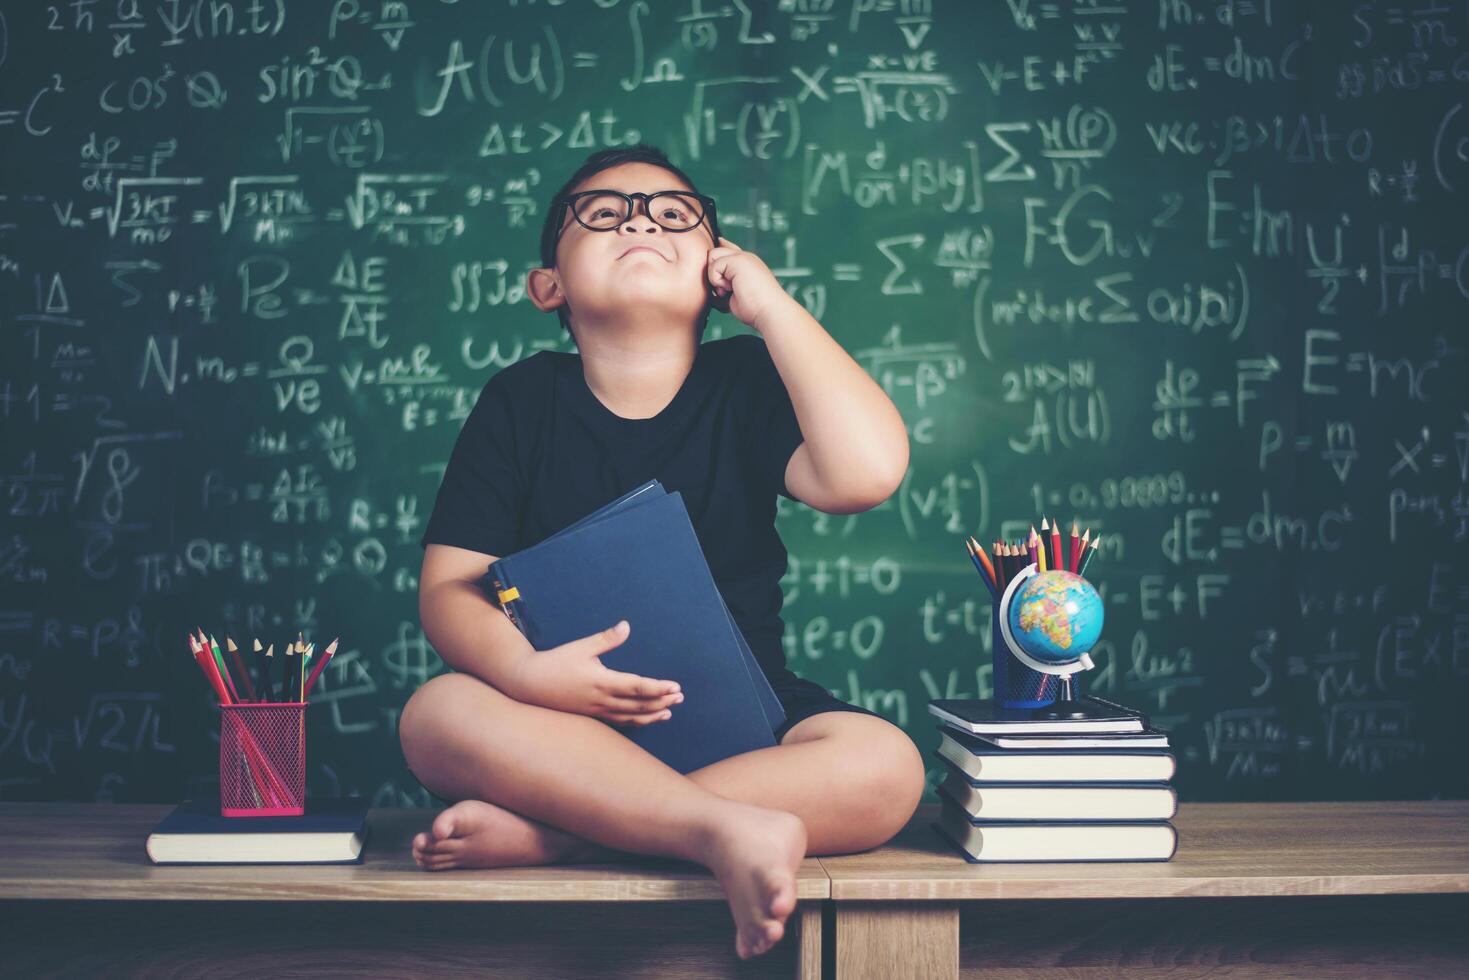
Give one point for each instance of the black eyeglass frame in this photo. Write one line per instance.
(568, 201)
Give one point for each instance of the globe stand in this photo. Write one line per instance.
(1061, 708)
(1064, 707)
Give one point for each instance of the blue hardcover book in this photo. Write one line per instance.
(653, 489)
(333, 830)
(642, 562)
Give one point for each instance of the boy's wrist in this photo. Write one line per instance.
(512, 672)
(780, 308)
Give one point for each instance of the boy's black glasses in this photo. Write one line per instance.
(599, 210)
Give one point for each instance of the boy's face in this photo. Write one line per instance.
(637, 268)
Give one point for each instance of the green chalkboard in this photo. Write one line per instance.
(1192, 274)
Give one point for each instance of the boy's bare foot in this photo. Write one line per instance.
(476, 834)
(755, 856)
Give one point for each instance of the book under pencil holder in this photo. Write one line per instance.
(262, 760)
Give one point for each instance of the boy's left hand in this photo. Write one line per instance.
(743, 285)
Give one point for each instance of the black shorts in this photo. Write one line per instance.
(802, 698)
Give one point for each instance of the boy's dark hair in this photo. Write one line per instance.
(596, 163)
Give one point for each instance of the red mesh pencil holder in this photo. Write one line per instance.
(262, 760)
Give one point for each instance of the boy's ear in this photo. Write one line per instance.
(544, 289)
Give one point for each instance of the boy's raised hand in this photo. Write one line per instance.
(742, 283)
(572, 678)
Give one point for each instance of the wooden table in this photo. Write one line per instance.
(79, 897)
(1369, 889)
(1255, 889)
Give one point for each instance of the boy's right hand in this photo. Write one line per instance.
(572, 678)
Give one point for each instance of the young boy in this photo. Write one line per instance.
(524, 739)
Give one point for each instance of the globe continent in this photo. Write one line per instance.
(1056, 616)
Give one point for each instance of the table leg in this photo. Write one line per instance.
(892, 940)
(808, 940)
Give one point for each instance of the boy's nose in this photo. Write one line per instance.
(640, 221)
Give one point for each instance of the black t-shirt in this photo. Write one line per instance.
(540, 451)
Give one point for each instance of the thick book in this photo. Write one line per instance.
(642, 562)
(984, 762)
(1060, 801)
(981, 842)
(331, 831)
(651, 490)
(983, 716)
(1148, 738)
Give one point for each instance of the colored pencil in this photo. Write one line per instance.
(288, 670)
(1071, 565)
(298, 679)
(306, 658)
(325, 657)
(1087, 559)
(1056, 561)
(205, 663)
(240, 666)
(223, 669)
(285, 685)
(984, 576)
(269, 662)
(984, 559)
(257, 653)
(977, 550)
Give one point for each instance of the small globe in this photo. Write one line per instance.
(1056, 616)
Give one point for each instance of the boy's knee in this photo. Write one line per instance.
(893, 780)
(906, 777)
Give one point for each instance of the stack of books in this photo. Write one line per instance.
(1025, 788)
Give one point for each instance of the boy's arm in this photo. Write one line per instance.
(468, 631)
(856, 446)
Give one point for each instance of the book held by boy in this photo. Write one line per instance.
(639, 559)
(331, 831)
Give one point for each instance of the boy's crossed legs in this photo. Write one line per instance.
(540, 785)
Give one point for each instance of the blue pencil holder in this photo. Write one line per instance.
(1016, 685)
